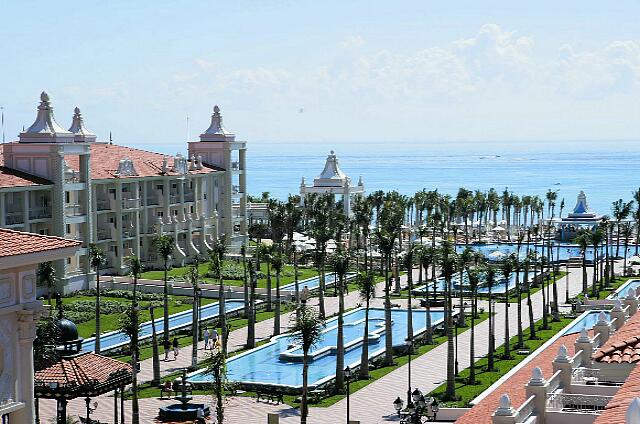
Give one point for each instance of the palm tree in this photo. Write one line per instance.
(507, 268)
(529, 258)
(407, 260)
(251, 325)
(621, 211)
(307, 332)
(216, 255)
(390, 220)
(367, 288)
(583, 241)
(164, 245)
(464, 257)
(474, 281)
(46, 275)
(245, 283)
(135, 269)
(427, 257)
(277, 262)
(490, 279)
(627, 232)
(596, 238)
(154, 346)
(449, 263)
(97, 258)
(266, 252)
(217, 365)
(341, 266)
(192, 277)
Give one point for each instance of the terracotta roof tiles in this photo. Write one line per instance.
(623, 346)
(14, 243)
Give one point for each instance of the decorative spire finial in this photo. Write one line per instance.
(44, 97)
(537, 378)
(81, 133)
(216, 109)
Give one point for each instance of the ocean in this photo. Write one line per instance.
(605, 170)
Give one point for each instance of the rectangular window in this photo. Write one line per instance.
(160, 214)
(68, 228)
(67, 197)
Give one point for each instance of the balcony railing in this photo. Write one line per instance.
(103, 205)
(71, 176)
(593, 376)
(130, 203)
(577, 403)
(128, 233)
(173, 199)
(153, 200)
(39, 213)
(104, 233)
(13, 218)
(73, 210)
(188, 197)
(235, 166)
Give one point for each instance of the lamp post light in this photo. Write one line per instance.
(347, 376)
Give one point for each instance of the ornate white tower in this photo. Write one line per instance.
(218, 147)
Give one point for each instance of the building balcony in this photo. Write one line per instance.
(174, 198)
(15, 217)
(40, 213)
(128, 233)
(153, 200)
(103, 204)
(73, 210)
(189, 197)
(235, 166)
(104, 233)
(130, 203)
(580, 403)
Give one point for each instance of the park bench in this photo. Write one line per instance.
(270, 395)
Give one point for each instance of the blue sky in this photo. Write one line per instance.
(327, 71)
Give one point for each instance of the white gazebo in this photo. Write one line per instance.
(333, 181)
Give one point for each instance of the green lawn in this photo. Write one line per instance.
(485, 378)
(109, 322)
(606, 291)
(286, 277)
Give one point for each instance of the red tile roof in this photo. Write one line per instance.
(105, 159)
(616, 409)
(83, 372)
(624, 344)
(12, 178)
(515, 385)
(14, 243)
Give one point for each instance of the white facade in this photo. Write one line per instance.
(19, 311)
(120, 198)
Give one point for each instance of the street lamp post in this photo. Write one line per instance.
(566, 285)
(456, 346)
(347, 376)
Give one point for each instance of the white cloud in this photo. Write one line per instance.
(352, 42)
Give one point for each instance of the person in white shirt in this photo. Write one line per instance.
(206, 338)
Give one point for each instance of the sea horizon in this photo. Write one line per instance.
(604, 169)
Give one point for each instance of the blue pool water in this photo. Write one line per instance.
(623, 290)
(314, 282)
(565, 251)
(182, 319)
(498, 286)
(278, 362)
(587, 321)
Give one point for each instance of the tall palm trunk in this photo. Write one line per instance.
(388, 354)
(154, 346)
(584, 272)
(451, 384)
(321, 286)
(340, 339)
(135, 407)
(97, 339)
(276, 316)
(472, 346)
(490, 359)
(165, 303)
(507, 347)
(269, 286)
(251, 325)
(409, 306)
(304, 408)
(222, 313)
(364, 358)
(246, 286)
(527, 285)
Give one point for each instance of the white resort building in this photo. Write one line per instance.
(66, 183)
(333, 181)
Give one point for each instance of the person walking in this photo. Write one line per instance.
(167, 348)
(206, 338)
(214, 339)
(176, 348)
(200, 416)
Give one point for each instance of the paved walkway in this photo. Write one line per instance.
(372, 404)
